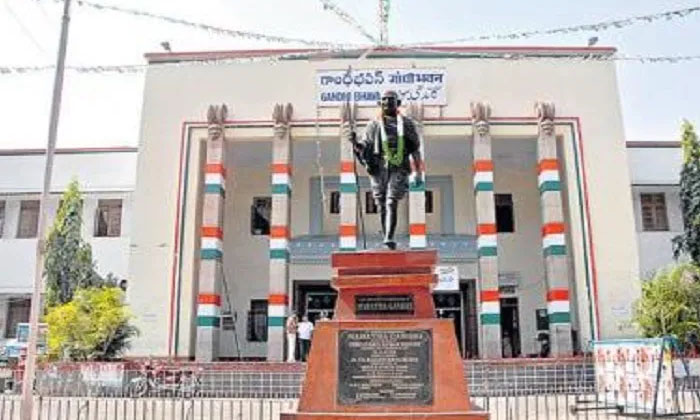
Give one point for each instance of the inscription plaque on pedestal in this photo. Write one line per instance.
(385, 367)
(384, 305)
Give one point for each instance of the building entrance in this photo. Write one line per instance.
(510, 327)
(312, 298)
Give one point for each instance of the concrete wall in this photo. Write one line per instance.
(173, 95)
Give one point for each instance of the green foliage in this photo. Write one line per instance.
(94, 325)
(670, 303)
(688, 243)
(68, 263)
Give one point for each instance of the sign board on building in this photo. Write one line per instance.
(448, 278)
(365, 86)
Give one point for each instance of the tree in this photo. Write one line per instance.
(689, 242)
(68, 263)
(94, 325)
(670, 303)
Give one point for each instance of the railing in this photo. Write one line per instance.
(515, 407)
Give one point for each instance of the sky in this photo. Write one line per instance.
(100, 110)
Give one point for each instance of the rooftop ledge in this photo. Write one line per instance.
(317, 249)
(383, 52)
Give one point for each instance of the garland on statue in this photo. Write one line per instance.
(393, 157)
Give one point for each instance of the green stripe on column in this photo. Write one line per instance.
(490, 319)
(484, 186)
(550, 186)
(214, 189)
(210, 254)
(348, 188)
(488, 251)
(417, 187)
(560, 318)
(555, 250)
(343, 249)
(281, 189)
(208, 321)
(275, 321)
(279, 254)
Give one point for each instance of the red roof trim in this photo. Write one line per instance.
(207, 55)
(69, 150)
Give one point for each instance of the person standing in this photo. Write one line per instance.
(291, 330)
(305, 329)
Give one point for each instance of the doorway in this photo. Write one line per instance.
(313, 299)
(510, 327)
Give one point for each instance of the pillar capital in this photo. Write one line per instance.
(480, 113)
(282, 117)
(545, 112)
(216, 118)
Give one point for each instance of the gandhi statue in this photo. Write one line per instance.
(384, 151)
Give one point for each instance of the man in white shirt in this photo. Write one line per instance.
(291, 329)
(304, 331)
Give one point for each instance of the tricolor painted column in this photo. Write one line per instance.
(348, 181)
(553, 233)
(487, 244)
(416, 190)
(212, 235)
(281, 190)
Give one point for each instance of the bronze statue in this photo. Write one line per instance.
(384, 151)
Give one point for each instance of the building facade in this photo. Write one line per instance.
(246, 185)
(107, 179)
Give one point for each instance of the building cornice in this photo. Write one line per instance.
(69, 151)
(653, 144)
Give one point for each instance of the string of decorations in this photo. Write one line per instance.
(591, 27)
(347, 18)
(235, 33)
(137, 68)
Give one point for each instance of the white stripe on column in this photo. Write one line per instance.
(553, 239)
(347, 178)
(279, 243)
(548, 175)
(212, 179)
(558, 306)
(484, 240)
(276, 310)
(208, 309)
(212, 243)
(483, 176)
(417, 241)
(280, 179)
(348, 241)
(490, 307)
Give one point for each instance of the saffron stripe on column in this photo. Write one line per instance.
(209, 298)
(557, 294)
(490, 295)
(347, 230)
(417, 229)
(277, 299)
(278, 232)
(552, 227)
(486, 228)
(215, 168)
(347, 166)
(212, 232)
(547, 165)
(281, 168)
(483, 175)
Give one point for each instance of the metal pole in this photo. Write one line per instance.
(36, 304)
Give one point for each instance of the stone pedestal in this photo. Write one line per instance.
(385, 355)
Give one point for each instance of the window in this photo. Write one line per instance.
(260, 212)
(504, 213)
(257, 321)
(428, 202)
(2, 217)
(108, 219)
(654, 217)
(370, 204)
(28, 219)
(17, 312)
(335, 202)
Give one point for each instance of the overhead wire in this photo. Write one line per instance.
(589, 27)
(235, 33)
(347, 18)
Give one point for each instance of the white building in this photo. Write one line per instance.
(107, 178)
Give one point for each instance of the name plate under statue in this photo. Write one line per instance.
(385, 355)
